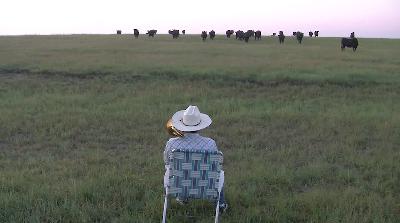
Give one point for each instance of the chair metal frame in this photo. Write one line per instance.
(194, 174)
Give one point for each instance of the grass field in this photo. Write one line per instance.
(309, 133)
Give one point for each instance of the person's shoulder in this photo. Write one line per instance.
(211, 142)
(206, 138)
(173, 140)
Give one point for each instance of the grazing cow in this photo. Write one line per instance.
(239, 35)
(151, 33)
(281, 37)
(136, 33)
(229, 32)
(212, 34)
(310, 34)
(273, 34)
(183, 32)
(350, 43)
(316, 33)
(204, 35)
(257, 35)
(299, 36)
(119, 32)
(174, 33)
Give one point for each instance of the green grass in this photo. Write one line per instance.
(309, 133)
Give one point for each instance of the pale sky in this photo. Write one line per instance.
(367, 18)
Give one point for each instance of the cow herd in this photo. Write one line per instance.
(351, 42)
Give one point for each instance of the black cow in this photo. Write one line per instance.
(273, 34)
(316, 33)
(294, 33)
(174, 33)
(310, 34)
(352, 35)
(247, 35)
(212, 34)
(229, 32)
(136, 33)
(299, 36)
(183, 32)
(257, 35)
(151, 33)
(119, 32)
(350, 43)
(239, 35)
(204, 35)
(281, 37)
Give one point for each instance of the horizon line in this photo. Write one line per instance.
(219, 34)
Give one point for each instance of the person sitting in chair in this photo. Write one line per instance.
(189, 122)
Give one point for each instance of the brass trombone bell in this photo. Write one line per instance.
(172, 130)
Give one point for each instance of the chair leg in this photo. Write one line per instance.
(217, 209)
(221, 184)
(166, 183)
(165, 206)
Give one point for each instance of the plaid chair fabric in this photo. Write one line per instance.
(194, 174)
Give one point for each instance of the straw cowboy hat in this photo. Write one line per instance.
(190, 120)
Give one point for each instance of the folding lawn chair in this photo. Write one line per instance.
(194, 174)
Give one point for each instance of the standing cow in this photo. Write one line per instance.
(281, 37)
(119, 32)
(299, 36)
(212, 34)
(151, 33)
(183, 32)
(239, 34)
(247, 35)
(204, 35)
(310, 34)
(174, 33)
(136, 33)
(229, 32)
(273, 34)
(351, 42)
(316, 33)
(257, 35)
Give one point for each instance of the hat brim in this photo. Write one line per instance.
(205, 121)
